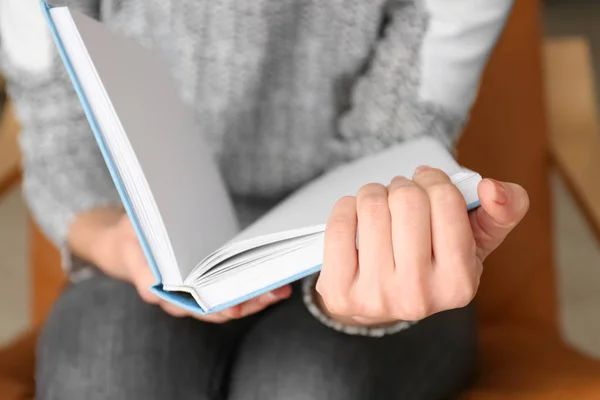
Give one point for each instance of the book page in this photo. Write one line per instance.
(312, 204)
(185, 185)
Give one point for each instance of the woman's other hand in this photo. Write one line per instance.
(418, 250)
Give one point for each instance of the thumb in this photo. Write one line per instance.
(140, 274)
(503, 205)
(143, 282)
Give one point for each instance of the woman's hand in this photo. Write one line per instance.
(120, 255)
(419, 251)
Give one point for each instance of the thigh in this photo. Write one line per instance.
(290, 355)
(102, 342)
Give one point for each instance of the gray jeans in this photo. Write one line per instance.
(102, 342)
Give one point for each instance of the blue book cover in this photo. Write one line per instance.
(177, 298)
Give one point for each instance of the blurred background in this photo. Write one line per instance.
(571, 56)
(577, 243)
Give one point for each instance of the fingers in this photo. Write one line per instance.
(456, 273)
(503, 205)
(140, 274)
(263, 301)
(411, 233)
(173, 310)
(375, 253)
(419, 250)
(257, 304)
(452, 239)
(340, 259)
(245, 309)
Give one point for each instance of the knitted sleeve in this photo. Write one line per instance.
(424, 73)
(422, 80)
(63, 172)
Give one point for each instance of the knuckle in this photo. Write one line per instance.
(336, 304)
(339, 226)
(409, 195)
(416, 310)
(344, 206)
(320, 285)
(372, 192)
(445, 193)
(370, 307)
(466, 294)
(373, 204)
(463, 298)
(413, 304)
(432, 173)
(371, 188)
(461, 292)
(343, 216)
(400, 179)
(346, 202)
(323, 289)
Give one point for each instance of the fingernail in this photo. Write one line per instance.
(421, 168)
(500, 194)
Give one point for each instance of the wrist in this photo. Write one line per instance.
(351, 327)
(104, 249)
(349, 320)
(93, 236)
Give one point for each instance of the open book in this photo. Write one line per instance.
(171, 188)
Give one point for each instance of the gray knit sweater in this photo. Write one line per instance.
(282, 89)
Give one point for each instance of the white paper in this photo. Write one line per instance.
(312, 204)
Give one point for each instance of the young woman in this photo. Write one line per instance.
(281, 89)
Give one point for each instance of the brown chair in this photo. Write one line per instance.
(10, 157)
(574, 128)
(17, 360)
(522, 355)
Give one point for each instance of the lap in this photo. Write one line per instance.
(290, 355)
(102, 342)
